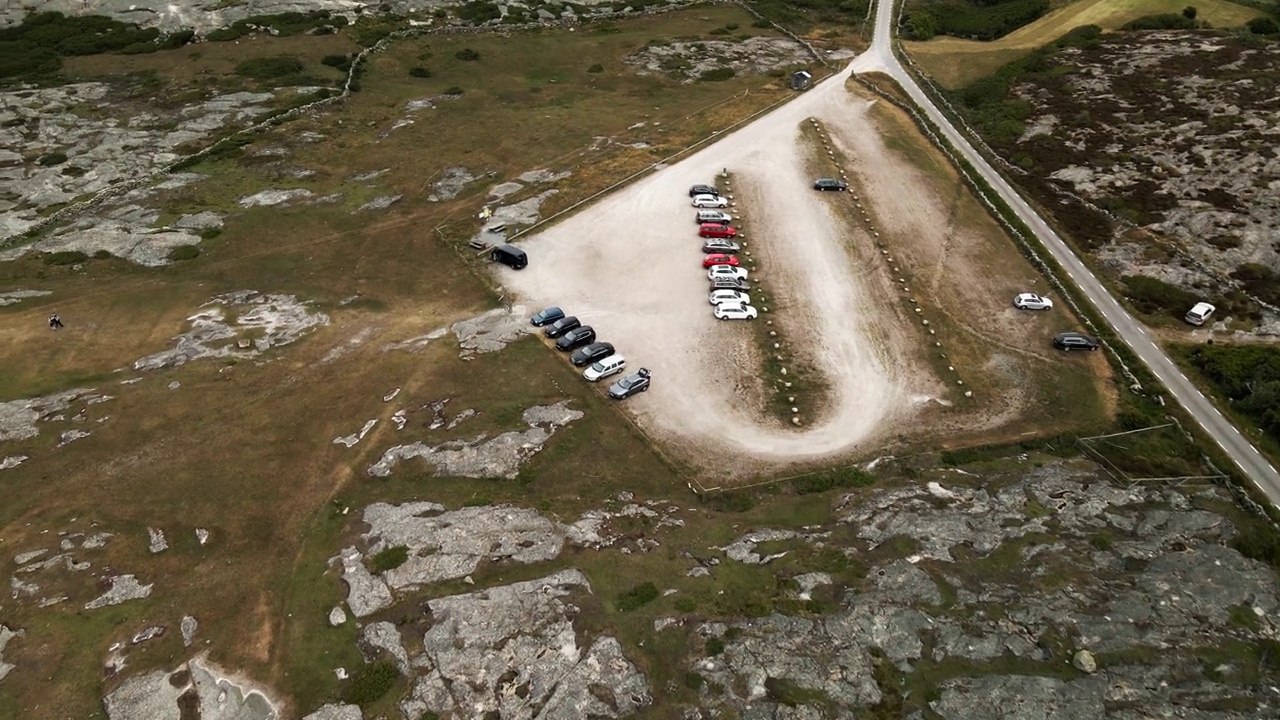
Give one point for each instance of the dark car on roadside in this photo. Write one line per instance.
(1074, 341)
(588, 354)
(830, 184)
(704, 190)
(637, 382)
(727, 283)
(576, 338)
(561, 326)
(546, 316)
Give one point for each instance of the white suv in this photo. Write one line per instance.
(710, 201)
(734, 311)
(729, 271)
(733, 297)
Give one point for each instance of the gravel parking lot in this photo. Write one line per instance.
(629, 265)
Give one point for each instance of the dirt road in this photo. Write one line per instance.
(630, 267)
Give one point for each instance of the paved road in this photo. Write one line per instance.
(880, 57)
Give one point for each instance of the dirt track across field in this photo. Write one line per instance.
(630, 267)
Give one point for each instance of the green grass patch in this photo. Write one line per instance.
(982, 20)
(65, 257)
(843, 478)
(371, 683)
(1246, 376)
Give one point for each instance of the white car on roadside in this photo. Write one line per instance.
(733, 297)
(723, 271)
(611, 365)
(710, 201)
(1031, 301)
(734, 311)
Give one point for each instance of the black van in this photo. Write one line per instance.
(510, 255)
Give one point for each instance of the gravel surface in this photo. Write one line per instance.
(643, 291)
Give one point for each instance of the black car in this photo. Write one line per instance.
(704, 190)
(830, 184)
(576, 338)
(591, 353)
(630, 385)
(729, 283)
(561, 326)
(1074, 341)
(546, 316)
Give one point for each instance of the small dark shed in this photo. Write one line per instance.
(801, 80)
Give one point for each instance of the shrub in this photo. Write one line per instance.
(341, 62)
(467, 55)
(1157, 297)
(66, 257)
(209, 233)
(478, 12)
(268, 68)
(390, 558)
(637, 597)
(371, 683)
(1260, 542)
(693, 681)
(419, 72)
(824, 481)
(597, 68)
(715, 646)
(102, 255)
(184, 252)
(717, 31)
(178, 39)
(1263, 26)
(719, 74)
(1189, 12)
(51, 159)
(454, 90)
(1162, 21)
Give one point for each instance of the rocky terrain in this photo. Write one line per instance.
(205, 15)
(688, 60)
(1173, 136)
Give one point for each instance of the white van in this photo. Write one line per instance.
(1199, 314)
(611, 365)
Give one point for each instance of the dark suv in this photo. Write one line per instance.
(576, 338)
(1074, 341)
(704, 190)
(829, 184)
(561, 326)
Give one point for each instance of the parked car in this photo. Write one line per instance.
(714, 216)
(721, 271)
(733, 297)
(1074, 341)
(716, 230)
(720, 246)
(730, 283)
(710, 201)
(704, 190)
(1031, 301)
(588, 354)
(720, 259)
(630, 385)
(1199, 313)
(576, 338)
(561, 326)
(611, 365)
(511, 256)
(734, 311)
(546, 316)
(830, 184)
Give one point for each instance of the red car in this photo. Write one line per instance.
(710, 260)
(716, 230)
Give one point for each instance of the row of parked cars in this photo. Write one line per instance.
(730, 298)
(600, 359)
(1066, 341)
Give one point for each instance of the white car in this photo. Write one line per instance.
(611, 365)
(733, 297)
(723, 271)
(714, 216)
(734, 311)
(1031, 301)
(710, 201)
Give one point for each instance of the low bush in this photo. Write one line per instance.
(453, 90)
(637, 597)
(970, 19)
(597, 68)
(1263, 26)
(1157, 297)
(419, 72)
(1162, 21)
(390, 558)
(184, 252)
(467, 55)
(1260, 542)
(51, 159)
(719, 74)
(830, 479)
(269, 68)
(371, 683)
(1247, 375)
(477, 12)
(65, 257)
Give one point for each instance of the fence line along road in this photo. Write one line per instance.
(880, 57)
